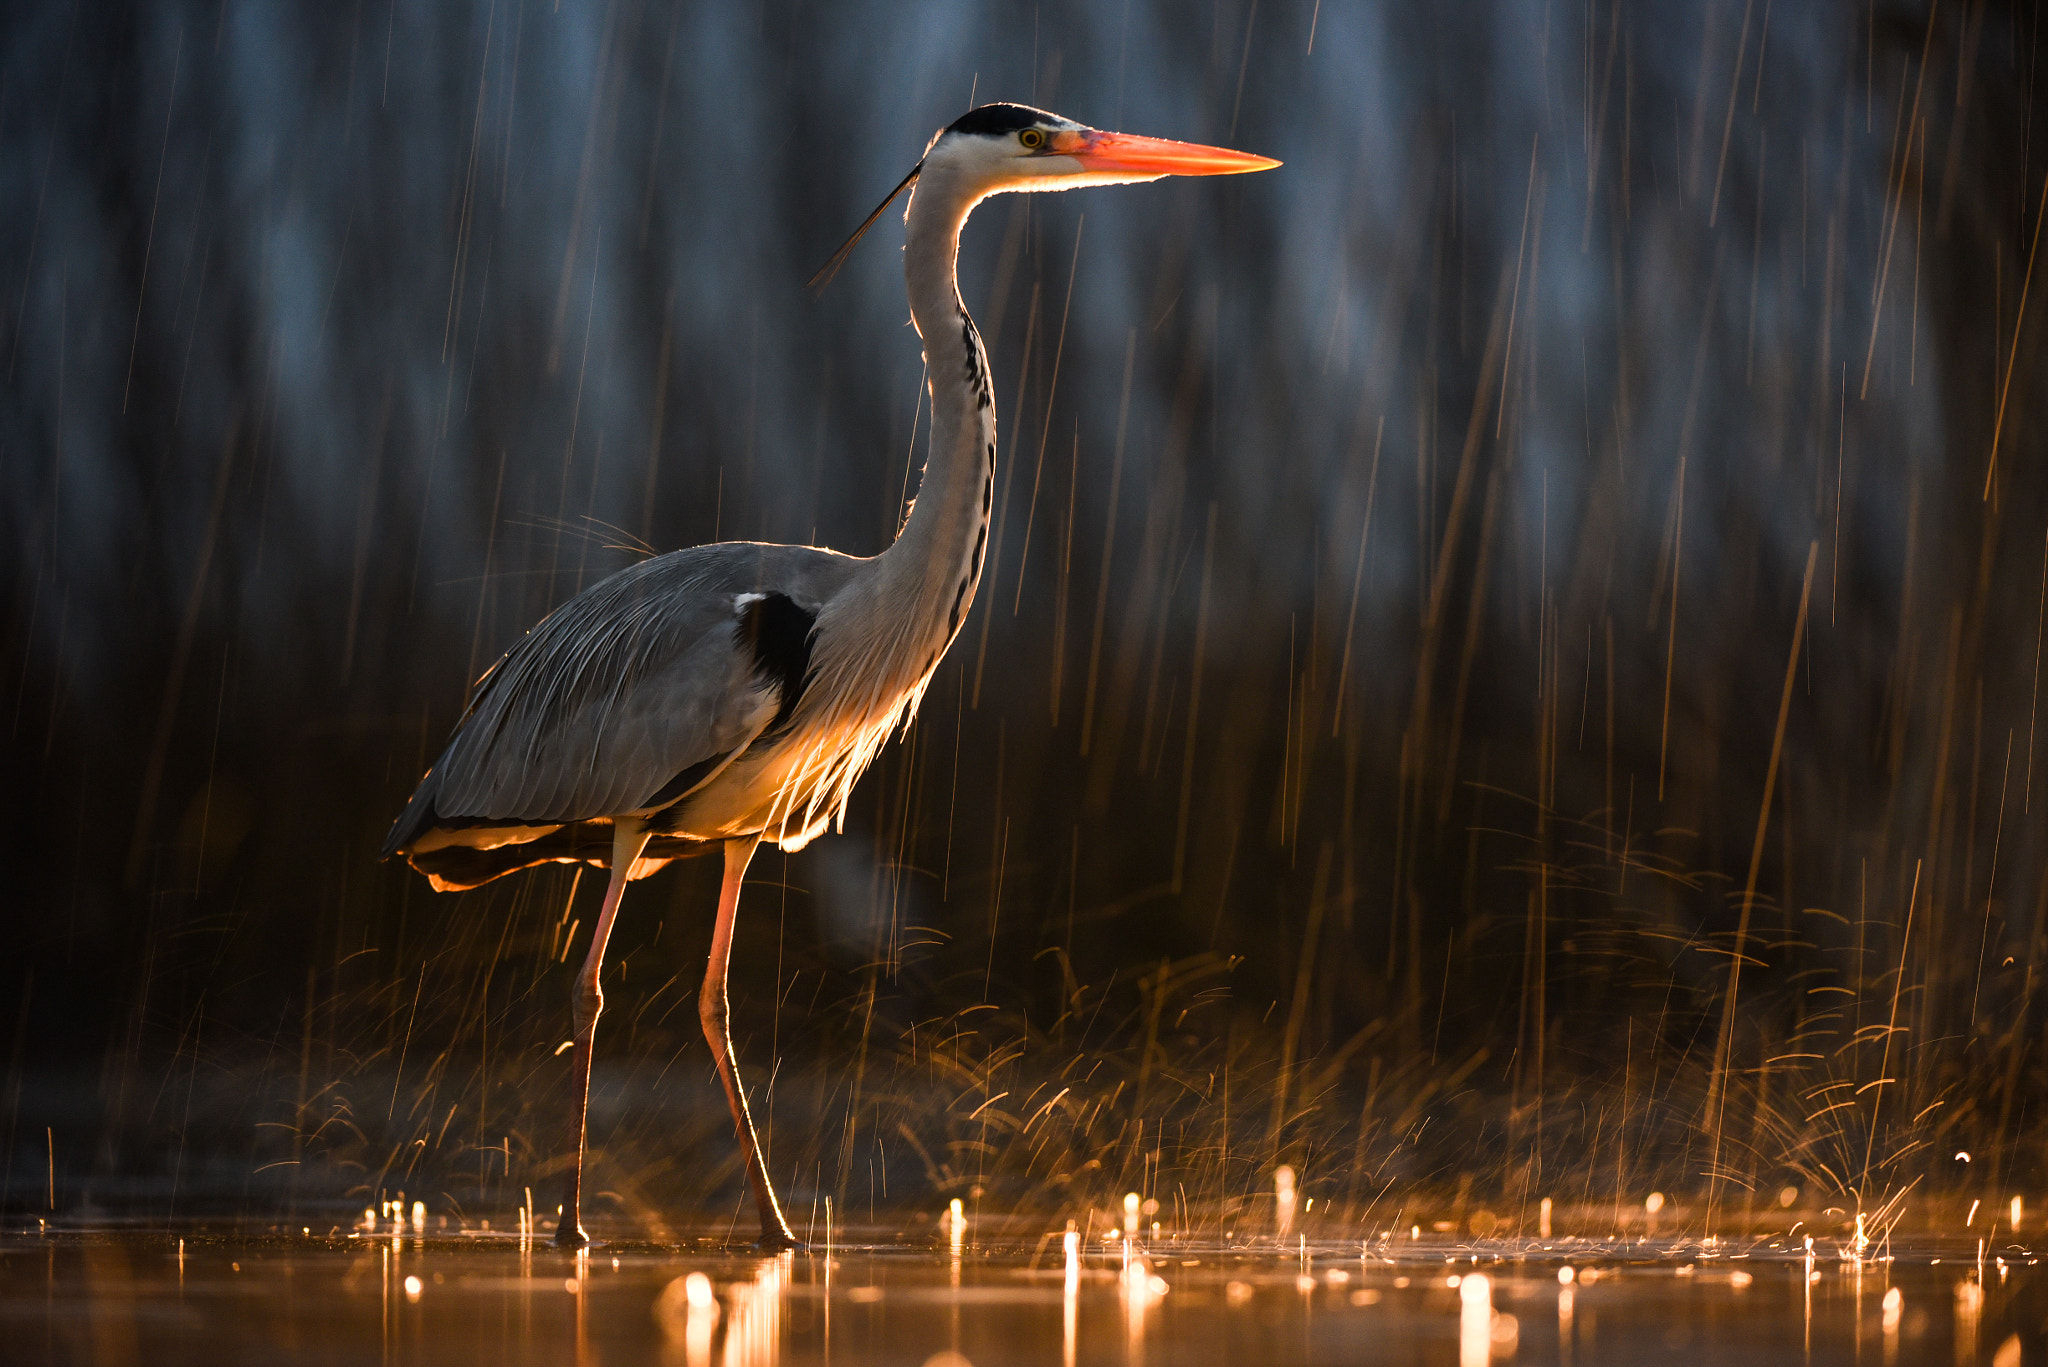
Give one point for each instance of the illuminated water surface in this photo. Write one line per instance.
(224, 1297)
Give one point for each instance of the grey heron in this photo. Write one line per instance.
(716, 697)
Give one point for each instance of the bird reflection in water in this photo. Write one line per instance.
(753, 1326)
(688, 1311)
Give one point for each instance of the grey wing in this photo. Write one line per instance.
(643, 677)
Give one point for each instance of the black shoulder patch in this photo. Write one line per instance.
(682, 783)
(777, 632)
(996, 120)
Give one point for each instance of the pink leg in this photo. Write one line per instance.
(711, 1010)
(629, 838)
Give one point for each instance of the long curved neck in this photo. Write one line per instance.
(936, 560)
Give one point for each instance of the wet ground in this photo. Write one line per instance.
(220, 1296)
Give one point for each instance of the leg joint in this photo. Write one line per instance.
(712, 1013)
(587, 1000)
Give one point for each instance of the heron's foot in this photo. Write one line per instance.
(570, 1236)
(779, 1241)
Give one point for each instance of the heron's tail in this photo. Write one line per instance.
(453, 868)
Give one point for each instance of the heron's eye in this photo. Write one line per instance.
(1032, 138)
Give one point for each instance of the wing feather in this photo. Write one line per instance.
(611, 696)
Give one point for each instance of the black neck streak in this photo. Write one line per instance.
(976, 377)
(974, 370)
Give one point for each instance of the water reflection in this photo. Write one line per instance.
(1809, 1276)
(1475, 1320)
(1969, 1300)
(1141, 1288)
(687, 1311)
(1485, 1333)
(1070, 1298)
(576, 1286)
(428, 1301)
(1566, 1302)
(753, 1328)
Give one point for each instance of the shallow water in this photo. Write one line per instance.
(218, 1296)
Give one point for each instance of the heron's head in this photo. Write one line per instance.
(1008, 147)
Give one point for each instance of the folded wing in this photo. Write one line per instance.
(620, 695)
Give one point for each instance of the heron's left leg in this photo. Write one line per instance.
(711, 1010)
(629, 838)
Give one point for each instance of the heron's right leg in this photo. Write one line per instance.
(629, 838)
(711, 1011)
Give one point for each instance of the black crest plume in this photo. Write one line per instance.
(831, 268)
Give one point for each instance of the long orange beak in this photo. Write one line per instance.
(1124, 153)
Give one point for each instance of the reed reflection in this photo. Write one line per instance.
(1140, 1288)
(1969, 1310)
(1566, 1302)
(1070, 1297)
(1475, 1320)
